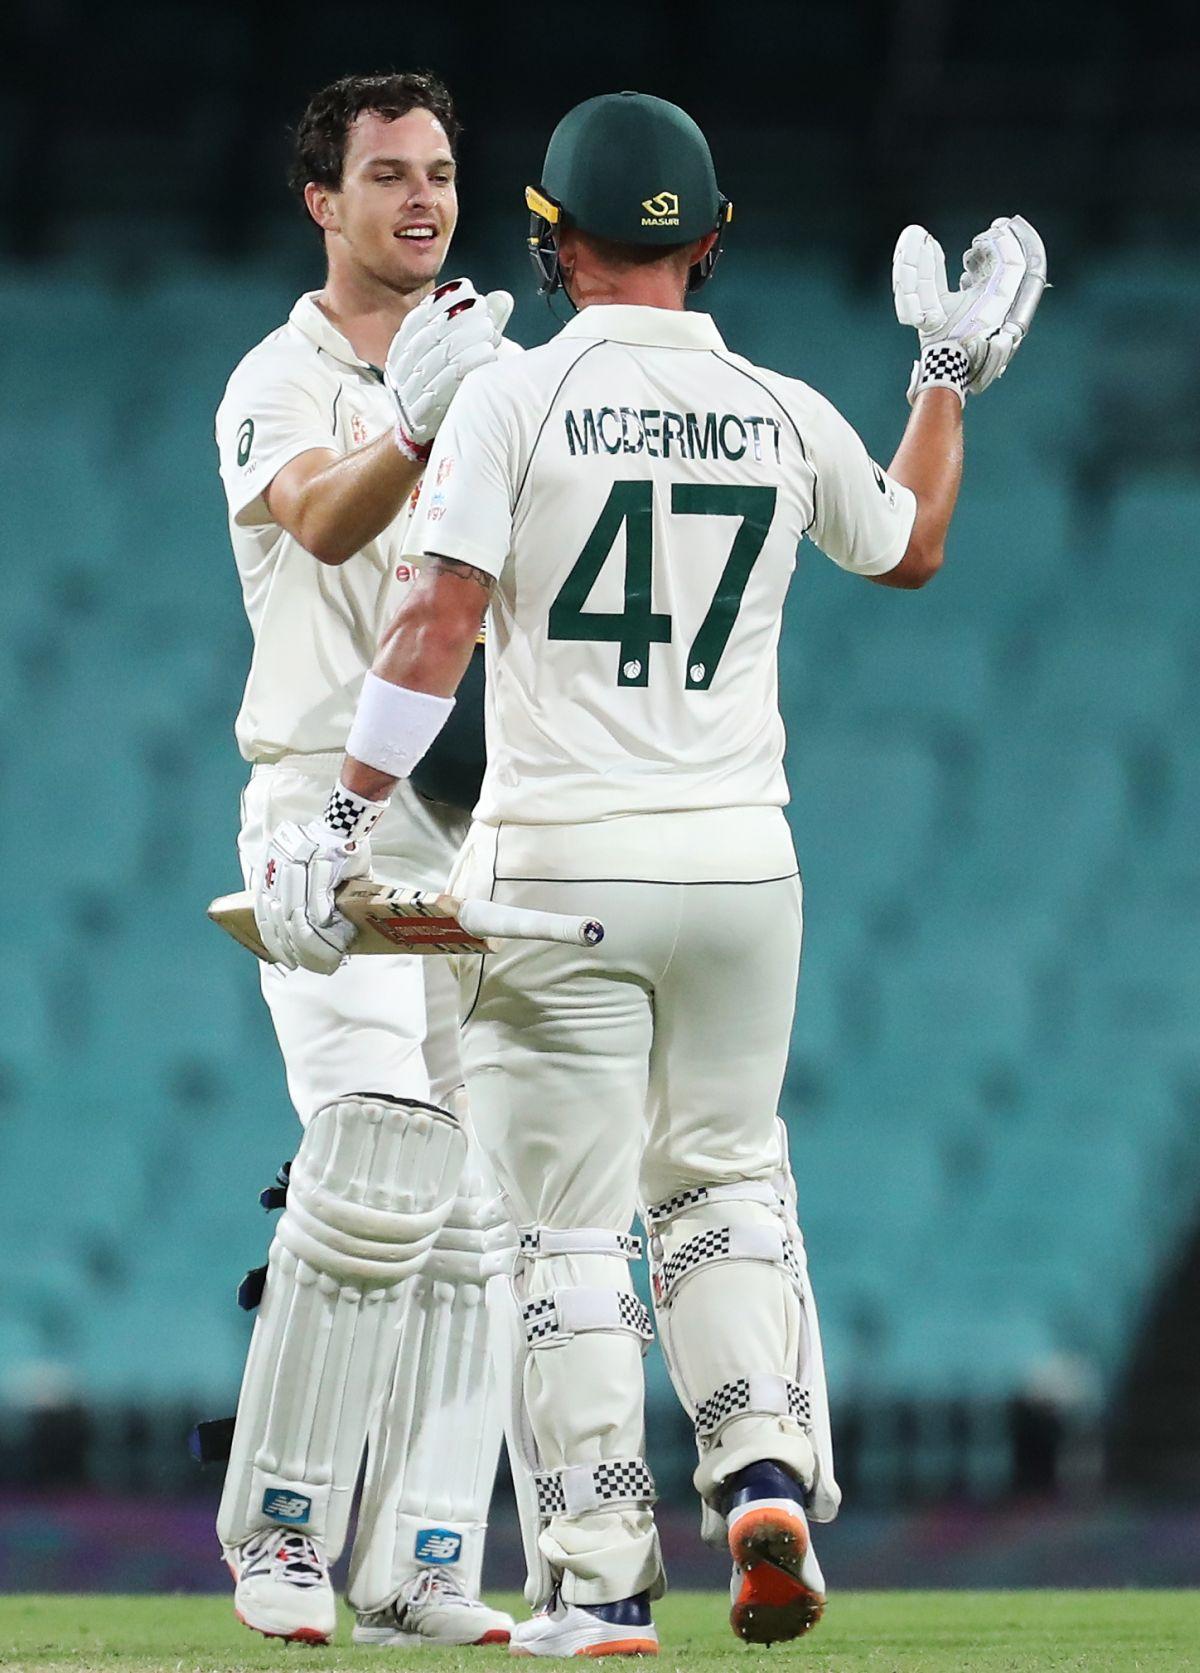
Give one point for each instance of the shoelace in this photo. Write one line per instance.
(432, 1587)
(301, 1560)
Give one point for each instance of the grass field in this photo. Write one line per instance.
(878, 1630)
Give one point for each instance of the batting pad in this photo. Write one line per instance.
(371, 1187)
(731, 1303)
(435, 1443)
(568, 1339)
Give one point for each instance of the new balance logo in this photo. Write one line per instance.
(438, 1545)
(282, 1506)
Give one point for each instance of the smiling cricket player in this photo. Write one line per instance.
(371, 1329)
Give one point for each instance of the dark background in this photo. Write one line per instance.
(995, 1083)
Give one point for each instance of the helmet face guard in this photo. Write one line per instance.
(546, 218)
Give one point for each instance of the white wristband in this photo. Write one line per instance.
(393, 726)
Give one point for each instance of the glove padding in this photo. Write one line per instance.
(450, 333)
(294, 896)
(1004, 275)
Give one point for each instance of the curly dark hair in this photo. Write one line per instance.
(319, 148)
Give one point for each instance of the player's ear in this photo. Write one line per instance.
(568, 250)
(320, 206)
(701, 248)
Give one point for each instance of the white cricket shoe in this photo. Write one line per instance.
(433, 1609)
(777, 1591)
(606, 1629)
(282, 1587)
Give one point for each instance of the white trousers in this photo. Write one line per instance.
(603, 1078)
(380, 1024)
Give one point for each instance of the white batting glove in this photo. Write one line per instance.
(449, 334)
(294, 904)
(968, 336)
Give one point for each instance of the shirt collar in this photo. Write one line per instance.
(310, 318)
(663, 328)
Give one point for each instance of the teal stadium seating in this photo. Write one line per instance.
(995, 795)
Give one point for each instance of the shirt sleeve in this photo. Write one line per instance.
(465, 509)
(862, 517)
(265, 420)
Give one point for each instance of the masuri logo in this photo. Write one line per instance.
(663, 208)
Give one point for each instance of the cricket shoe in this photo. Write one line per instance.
(282, 1587)
(432, 1608)
(601, 1629)
(777, 1591)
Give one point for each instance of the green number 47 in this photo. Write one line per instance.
(638, 626)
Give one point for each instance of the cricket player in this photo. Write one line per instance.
(626, 505)
(372, 1324)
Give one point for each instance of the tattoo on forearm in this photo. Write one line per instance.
(466, 571)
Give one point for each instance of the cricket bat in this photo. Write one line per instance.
(418, 921)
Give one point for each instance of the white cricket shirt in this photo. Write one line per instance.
(640, 493)
(316, 626)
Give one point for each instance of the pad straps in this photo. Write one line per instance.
(539, 1242)
(656, 1215)
(578, 1488)
(724, 1243)
(762, 1393)
(562, 1314)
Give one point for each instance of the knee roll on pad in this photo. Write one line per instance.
(523, 1325)
(476, 1225)
(372, 1185)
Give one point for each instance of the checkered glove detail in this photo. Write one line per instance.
(734, 1400)
(615, 1481)
(542, 1323)
(941, 366)
(349, 817)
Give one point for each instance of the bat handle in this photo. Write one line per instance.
(520, 923)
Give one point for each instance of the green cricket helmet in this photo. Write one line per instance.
(632, 169)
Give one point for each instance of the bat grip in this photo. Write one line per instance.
(520, 923)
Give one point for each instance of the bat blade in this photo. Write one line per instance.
(388, 920)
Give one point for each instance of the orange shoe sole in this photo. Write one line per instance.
(774, 1604)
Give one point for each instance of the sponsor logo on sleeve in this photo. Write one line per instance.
(245, 440)
(437, 1545)
(282, 1506)
(885, 487)
(662, 210)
